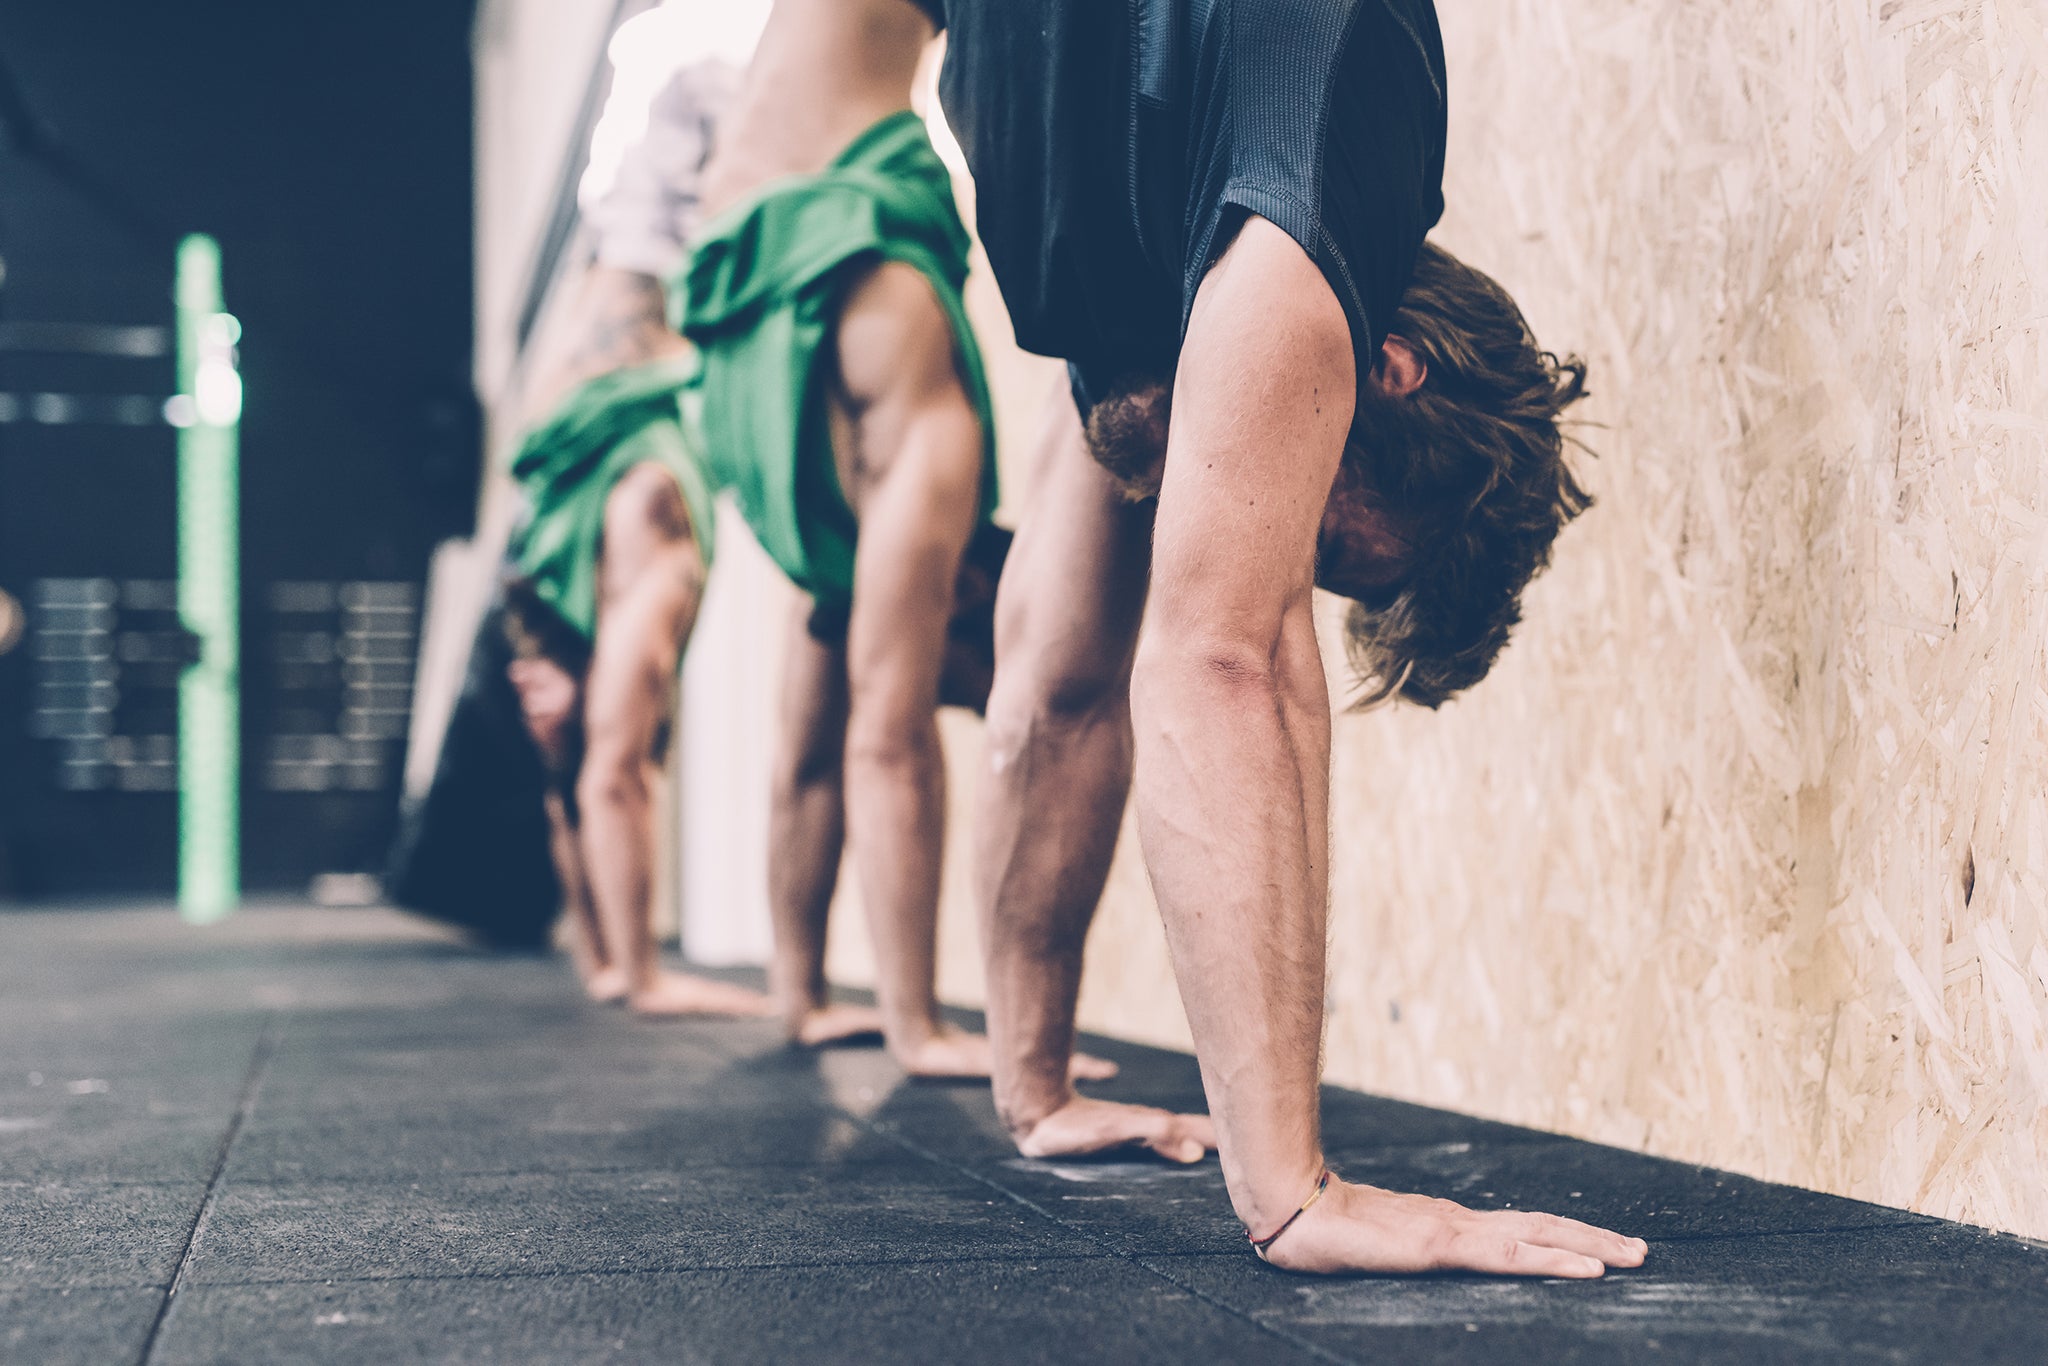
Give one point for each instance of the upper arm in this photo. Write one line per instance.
(1263, 399)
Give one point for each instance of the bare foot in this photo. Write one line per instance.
(606, 986)
(1364, 1228)
(954, 1054)
(1083, 1126)
(675, 993)
(825, 1026)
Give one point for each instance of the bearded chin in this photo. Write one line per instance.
(1127, 434)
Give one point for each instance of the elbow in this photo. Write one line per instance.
(1207, 665)
(891, 747)
(610, 782)
(1201, 682)
(810, 769)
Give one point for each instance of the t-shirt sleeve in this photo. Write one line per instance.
(1351, 169)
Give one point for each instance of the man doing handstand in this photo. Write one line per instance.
(1214, 211)
(608, 567)
(843, 402)
(837, 392)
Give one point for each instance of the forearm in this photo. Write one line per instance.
(586, 940)
(617, 831)
(1230, 760)
(1049, 815)
(807, 827)
(896, 802)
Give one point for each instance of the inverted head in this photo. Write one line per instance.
(1457, 441)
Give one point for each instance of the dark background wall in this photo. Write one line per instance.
(328, 149)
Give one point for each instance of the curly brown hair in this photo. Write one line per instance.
(1473, 461)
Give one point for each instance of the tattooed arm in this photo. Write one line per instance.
(617, 318)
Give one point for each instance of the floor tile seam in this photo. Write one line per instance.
(252, 1085)
(1226, 1309)
(71, 1284)
(664, 1269)
(462, 1174)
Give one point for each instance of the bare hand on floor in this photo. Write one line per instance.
(951, 1054)
(1366, 1229)
(1084, 1126)
(675, 993)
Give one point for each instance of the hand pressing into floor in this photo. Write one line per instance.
(826, 1026)
(667, 994)
(949, 1054)
(1083, 1126)
(606, 986)
(1366, 1229)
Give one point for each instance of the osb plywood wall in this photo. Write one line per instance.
(1742, 855)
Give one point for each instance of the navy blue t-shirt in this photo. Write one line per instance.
(1115, 143)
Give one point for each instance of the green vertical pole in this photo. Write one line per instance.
(209, 590)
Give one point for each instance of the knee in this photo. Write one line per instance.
(611, 777)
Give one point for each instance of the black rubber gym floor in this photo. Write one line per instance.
(334, 1136)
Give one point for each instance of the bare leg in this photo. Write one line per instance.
(1059, 771)
(807, 830)
(651, 579)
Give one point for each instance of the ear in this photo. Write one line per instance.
(1400, 371)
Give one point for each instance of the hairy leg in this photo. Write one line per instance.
(1052, 797)
(807, 830)
(651, 579)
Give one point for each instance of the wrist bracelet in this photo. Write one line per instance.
(1259, 1245)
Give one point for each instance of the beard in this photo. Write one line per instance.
(1407, 452)
(1127, 433)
